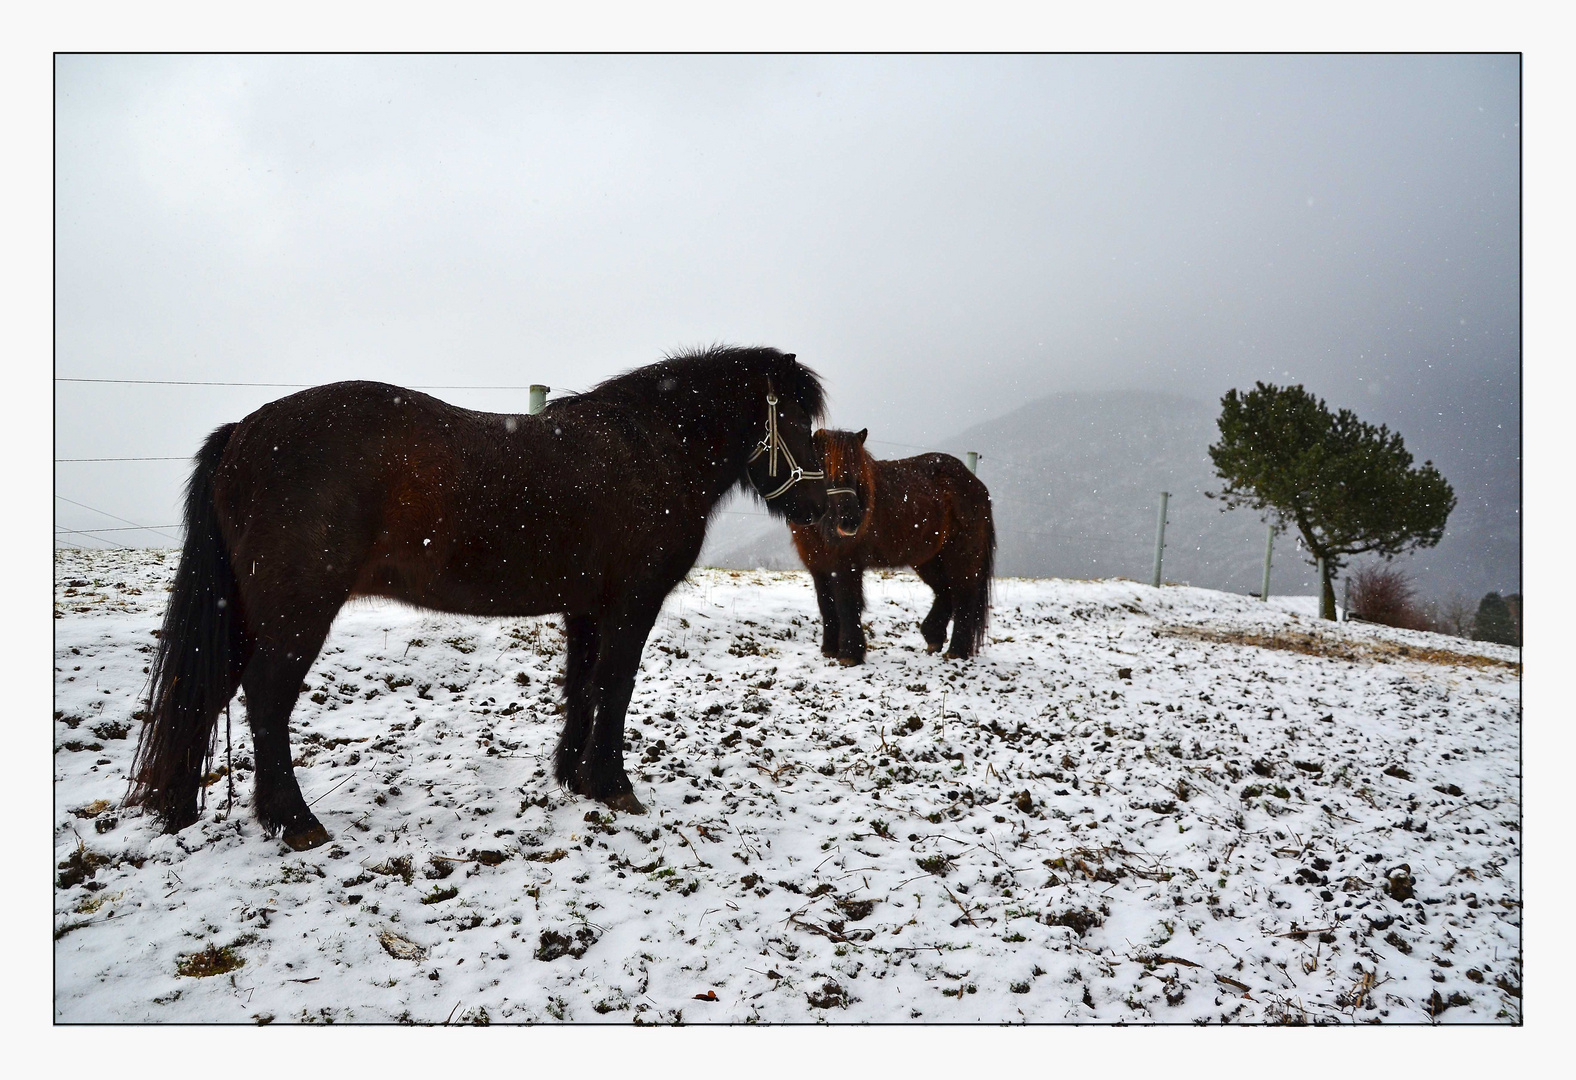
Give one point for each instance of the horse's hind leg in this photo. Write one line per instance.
(825, 598)
(971, 598)
(849, 596)
(934, 628)
(272, 681)
(579, 700)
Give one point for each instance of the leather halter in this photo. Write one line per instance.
(772, 445)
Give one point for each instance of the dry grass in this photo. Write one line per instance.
(1340, 647)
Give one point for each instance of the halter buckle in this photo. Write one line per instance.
(770, 445)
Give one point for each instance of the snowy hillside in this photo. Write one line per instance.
(1137, 805)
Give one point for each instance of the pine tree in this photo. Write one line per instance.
(1348, 487)
(1494, 622)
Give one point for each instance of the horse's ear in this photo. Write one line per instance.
(790, 357)
(861, 436)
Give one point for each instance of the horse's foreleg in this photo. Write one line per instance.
(579, 699)
(825, 598)
(849, 594)
(600, 772)
(934, 628)
(272, 679)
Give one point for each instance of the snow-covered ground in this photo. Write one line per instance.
(1137, 805)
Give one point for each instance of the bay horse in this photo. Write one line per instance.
(594, 508)
(929, 512)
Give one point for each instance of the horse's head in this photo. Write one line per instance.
(847, 481)
(785, 466)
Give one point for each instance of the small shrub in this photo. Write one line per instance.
(1383, 594)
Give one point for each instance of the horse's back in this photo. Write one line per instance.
(941, 473)
(440, 506)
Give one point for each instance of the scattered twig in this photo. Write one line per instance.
(1241, 987)
(693, 849)
(1164, 960)
(823, 931)
(961, 908)
(333, 789)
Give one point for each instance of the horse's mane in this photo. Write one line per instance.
(714, 371)
(842, 449)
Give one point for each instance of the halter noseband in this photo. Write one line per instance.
(771, 445)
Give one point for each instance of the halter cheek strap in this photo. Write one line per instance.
(773, 444)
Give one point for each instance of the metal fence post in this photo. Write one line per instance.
(538, 399)
(1160, 535)
(1269, 550)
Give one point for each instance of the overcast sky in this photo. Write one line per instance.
(943, 238)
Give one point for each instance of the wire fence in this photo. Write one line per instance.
(130, 526)
(62, 535)
(67, 537)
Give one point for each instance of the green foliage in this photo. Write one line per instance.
(1494, 621)
(1349, 487)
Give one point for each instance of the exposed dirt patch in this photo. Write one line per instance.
(1078, 920)
(551, 945)
(79, 867)
(400, 948)
(1336, 647)
(401, 867)
(213, 960)
(830, 996)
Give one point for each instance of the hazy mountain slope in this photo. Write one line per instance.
(1075, 480)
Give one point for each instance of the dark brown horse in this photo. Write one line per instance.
(595, 508)
(928, 512)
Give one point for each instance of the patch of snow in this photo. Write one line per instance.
(1136, 805)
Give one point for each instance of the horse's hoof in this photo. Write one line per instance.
(848, 661)
(624, 803)
(830, 654)
(310, 837)
(950, 655)
(932, 648)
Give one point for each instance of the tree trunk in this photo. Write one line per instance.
(1326, 589)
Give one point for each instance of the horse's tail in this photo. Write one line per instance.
(976, 595)
(197, 667)
(973, 601)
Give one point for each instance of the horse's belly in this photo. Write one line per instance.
(513, 582)
(908, 545)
